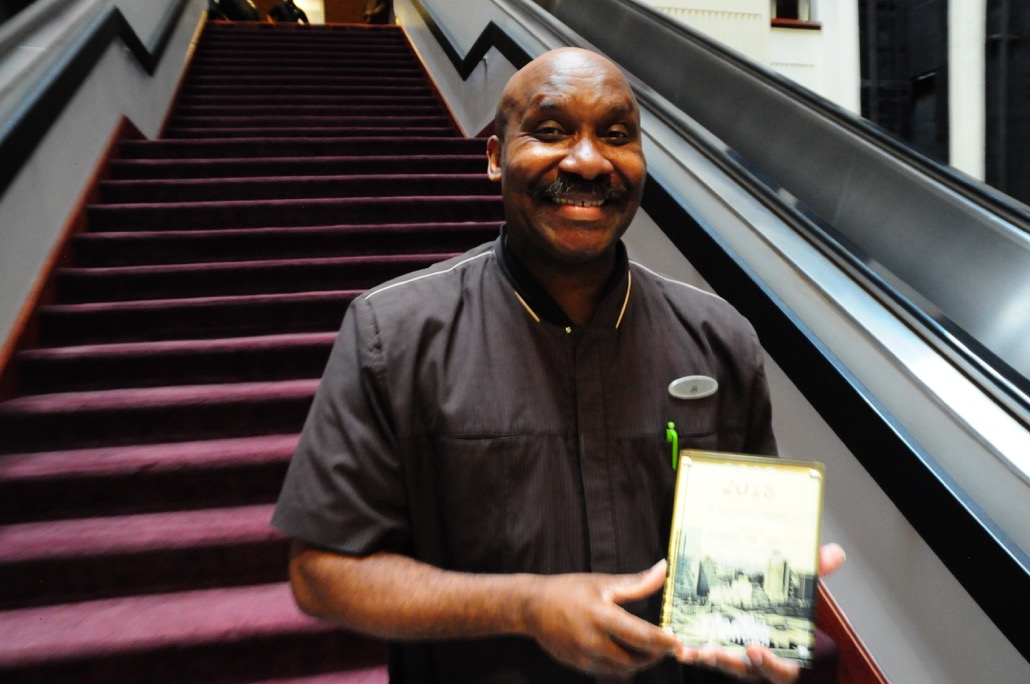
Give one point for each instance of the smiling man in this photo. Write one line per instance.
(483, 478)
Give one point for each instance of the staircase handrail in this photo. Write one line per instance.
(33, 116)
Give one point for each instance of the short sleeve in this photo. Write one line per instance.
(344, 489)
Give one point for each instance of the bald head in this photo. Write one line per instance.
(568, 154)
(557, 66)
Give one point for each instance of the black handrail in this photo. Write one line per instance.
(850, 177)
(492, 36)
(32, 119)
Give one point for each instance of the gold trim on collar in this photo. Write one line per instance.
(526, 306)
(622, 311)
(625, 302)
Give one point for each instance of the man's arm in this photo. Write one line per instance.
(576, 618)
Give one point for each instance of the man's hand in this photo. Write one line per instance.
(578, 620)
(761, 664)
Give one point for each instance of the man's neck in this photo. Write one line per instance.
(576, 288)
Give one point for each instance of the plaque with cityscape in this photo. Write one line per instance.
(744, 553)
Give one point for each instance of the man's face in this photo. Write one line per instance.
(570, 162)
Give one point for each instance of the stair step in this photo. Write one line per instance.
(302, 212)
(243, 244)
(338, 102)
(226, 634)
(246, 148)
(196, 318)
(247, 63)
(338, 36)
(73, 560)
(212, 60)
(176, 362)
(279, 93)
(307, 77)
(45, 422)
(334, 132)
(185, 169)
(297, 120)
(343, 34)
(296, 187)
(50, 485)
(268, 276)
(427, 107)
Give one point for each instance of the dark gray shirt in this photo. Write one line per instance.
(462, 421)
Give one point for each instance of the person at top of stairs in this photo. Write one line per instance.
(378, 11)
(233, 10)
(286, 12)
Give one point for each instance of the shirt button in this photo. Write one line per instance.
(568, 329)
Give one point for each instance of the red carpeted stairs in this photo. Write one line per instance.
(154, 419)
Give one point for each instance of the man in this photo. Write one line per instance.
(377, 11)
(484, 477)
(287, 12)
(233, 10)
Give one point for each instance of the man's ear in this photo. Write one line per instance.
(493, 158)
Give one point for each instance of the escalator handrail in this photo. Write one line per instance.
(22, 132)
(989, 566)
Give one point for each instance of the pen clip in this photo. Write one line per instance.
(674, 439)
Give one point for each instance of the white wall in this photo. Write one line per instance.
(473, 101)
(36, 206)
(824, 60)
(966, 88)
(740, 24)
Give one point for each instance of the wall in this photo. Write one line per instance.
(824, 60)
(36, 206)
(966, 34)
(741, 24)
(473, 101)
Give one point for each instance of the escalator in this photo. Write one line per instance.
(891, 291)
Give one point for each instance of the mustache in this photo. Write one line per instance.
(564, 185)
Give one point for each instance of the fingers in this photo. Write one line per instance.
(831, 557)
(630, 632)
(629, 588)
(641, 637)
(759, 665)
(610, 645)
(578, 620)
(768, 666)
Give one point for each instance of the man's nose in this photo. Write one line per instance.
(586, 159)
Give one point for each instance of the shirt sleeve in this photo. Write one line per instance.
(760, 439)
(344, 490)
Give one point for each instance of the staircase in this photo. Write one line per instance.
(154, 418)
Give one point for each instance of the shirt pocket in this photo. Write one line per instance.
(697, 423)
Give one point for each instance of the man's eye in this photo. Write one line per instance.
(617, 136)
(548, 133)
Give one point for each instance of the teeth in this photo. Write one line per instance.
(578, 203)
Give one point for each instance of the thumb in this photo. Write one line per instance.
(640, 585)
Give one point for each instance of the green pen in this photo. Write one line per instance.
(671, 436)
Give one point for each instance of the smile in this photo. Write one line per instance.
(562, 202)
(570, 192)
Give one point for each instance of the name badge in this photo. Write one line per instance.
(693, 387)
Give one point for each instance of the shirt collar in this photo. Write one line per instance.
(542, 306)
